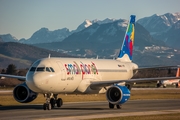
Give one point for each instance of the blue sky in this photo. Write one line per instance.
(21, 18)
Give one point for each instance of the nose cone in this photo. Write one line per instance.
(32, 82)
(40, 81)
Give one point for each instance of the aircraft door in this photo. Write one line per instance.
(63, 71)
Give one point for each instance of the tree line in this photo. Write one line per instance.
(12, 70)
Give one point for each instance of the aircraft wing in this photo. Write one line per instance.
(111, 82)
(21, 78)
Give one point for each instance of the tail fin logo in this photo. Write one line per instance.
(127, 47)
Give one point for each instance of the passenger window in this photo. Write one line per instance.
(47, 69)
(40, 69)
(33, 69)
(52, 69)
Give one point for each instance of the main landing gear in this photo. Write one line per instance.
(111, 106)
(51, 101)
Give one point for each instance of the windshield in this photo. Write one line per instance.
(41, 69)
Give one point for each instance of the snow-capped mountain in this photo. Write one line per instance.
(164, 27)
(44, 35)
(84, 25)
(101, 39)
(88, 23)
(157, 24)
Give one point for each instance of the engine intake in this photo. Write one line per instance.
(23, 94)
(118, 94)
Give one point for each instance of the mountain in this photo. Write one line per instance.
(8, 38)
(104, 41)
(172, 36)
(23, 55)
(88, 23)
(45, 36)
(163, 27)
(159, 23)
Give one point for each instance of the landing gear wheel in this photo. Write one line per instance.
(118, 106)
(44, 106)
(49, 106)
(52, 102)
(111, 106)
(158, 85)
(59, 102)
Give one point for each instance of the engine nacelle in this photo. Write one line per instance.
(118, 94)
(23, 94)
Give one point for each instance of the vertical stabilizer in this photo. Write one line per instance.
(177, 75)
(178, 72)
(127, 46)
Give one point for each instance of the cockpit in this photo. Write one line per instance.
(42, 69)
(42, 65)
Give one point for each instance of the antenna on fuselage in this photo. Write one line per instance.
(49, 56)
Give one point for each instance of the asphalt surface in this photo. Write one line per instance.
(88, 110)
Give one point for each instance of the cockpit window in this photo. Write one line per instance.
(40, 69)
(52, 69)
(33, 69)
(47, 69)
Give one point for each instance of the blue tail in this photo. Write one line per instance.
(127, 46)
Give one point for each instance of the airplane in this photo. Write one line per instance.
(176, 82)
(53, 75)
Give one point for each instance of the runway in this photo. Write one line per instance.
(88, 110)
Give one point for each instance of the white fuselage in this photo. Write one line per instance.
(169, 82)
(68, 75)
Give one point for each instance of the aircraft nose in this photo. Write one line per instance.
(41, 82)
(32, 82)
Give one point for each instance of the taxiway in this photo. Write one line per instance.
(88, 110)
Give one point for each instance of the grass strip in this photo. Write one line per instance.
(7, 98)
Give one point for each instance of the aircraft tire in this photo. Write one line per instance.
(118, 106)
(111, 106)
(158, 85)
(59, 102)
(52, 102)
(44, 106)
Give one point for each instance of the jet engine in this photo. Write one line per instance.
(23, 94)
(117, 94)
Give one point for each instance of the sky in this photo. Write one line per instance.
(21, 18)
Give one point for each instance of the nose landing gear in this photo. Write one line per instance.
(51, 101)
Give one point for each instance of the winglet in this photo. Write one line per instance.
(127, 46)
